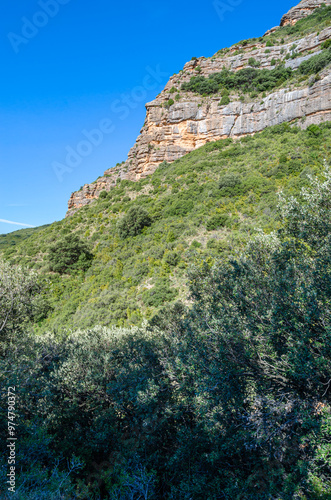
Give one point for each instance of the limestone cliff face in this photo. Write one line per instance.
(192, 121)
(304, 8)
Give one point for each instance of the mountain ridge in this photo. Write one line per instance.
(179, 122)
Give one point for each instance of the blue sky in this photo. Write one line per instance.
(70, 68)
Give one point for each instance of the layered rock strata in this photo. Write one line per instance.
(303, 9)
(171, 132)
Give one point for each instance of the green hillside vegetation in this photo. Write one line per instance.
(260, 80)
(227, 399)
(315, 22)
(12, 239)
(144, 235)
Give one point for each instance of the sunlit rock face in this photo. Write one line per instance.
(171, 131)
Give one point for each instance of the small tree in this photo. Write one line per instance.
(69, 254)
(19, 299)
(133, 222)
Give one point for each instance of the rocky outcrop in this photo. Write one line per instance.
(177, 127)
(303, 9)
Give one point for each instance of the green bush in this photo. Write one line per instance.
(316, 63)
(133, 222)
(103, 194)
(314, 130)
(225, 100)
(179, 207)
(171, 258)
(69, 254)
(253, 62)
(217, 221)
(326, 44)
(20, 301)
(159, 294)
(228, 183)
(164, 165)
(246, 80)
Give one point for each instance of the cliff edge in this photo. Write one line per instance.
(179, 121)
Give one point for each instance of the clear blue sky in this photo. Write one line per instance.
(76, 68)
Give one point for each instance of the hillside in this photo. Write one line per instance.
(207, 203)
(204, 191)
(169, 339)
(16, 237)
(280, 77)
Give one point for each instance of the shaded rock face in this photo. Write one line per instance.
(171, 132)
(303, 9)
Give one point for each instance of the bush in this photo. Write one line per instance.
(20, 303)
(69, 254)
(133, 222)
(171, 258)
(179, 207)
(247, 80)
(217, 221)
(228, 182)
(253, 62)
(159, 294)
(164, 165)
(326, 44)
(314, 130)
(103, 194)
(225, 100)
(316, 63)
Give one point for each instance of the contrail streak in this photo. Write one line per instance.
(15, 223)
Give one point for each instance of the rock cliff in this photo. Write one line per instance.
(174, 127)
(304, 8)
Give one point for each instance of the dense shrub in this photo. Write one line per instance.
(133, 222)
(159, 294)
(229, 398)
(225, 100)
(217, 221)
(246, 80)
(103, 194)
(252, 79)
(229, 181)
(314, 130)
(180, 207)
(316, 63)
(20, 301)
(69, 254)
(253, 62)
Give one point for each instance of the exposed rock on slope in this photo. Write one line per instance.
(304, 8)
(172, 131)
